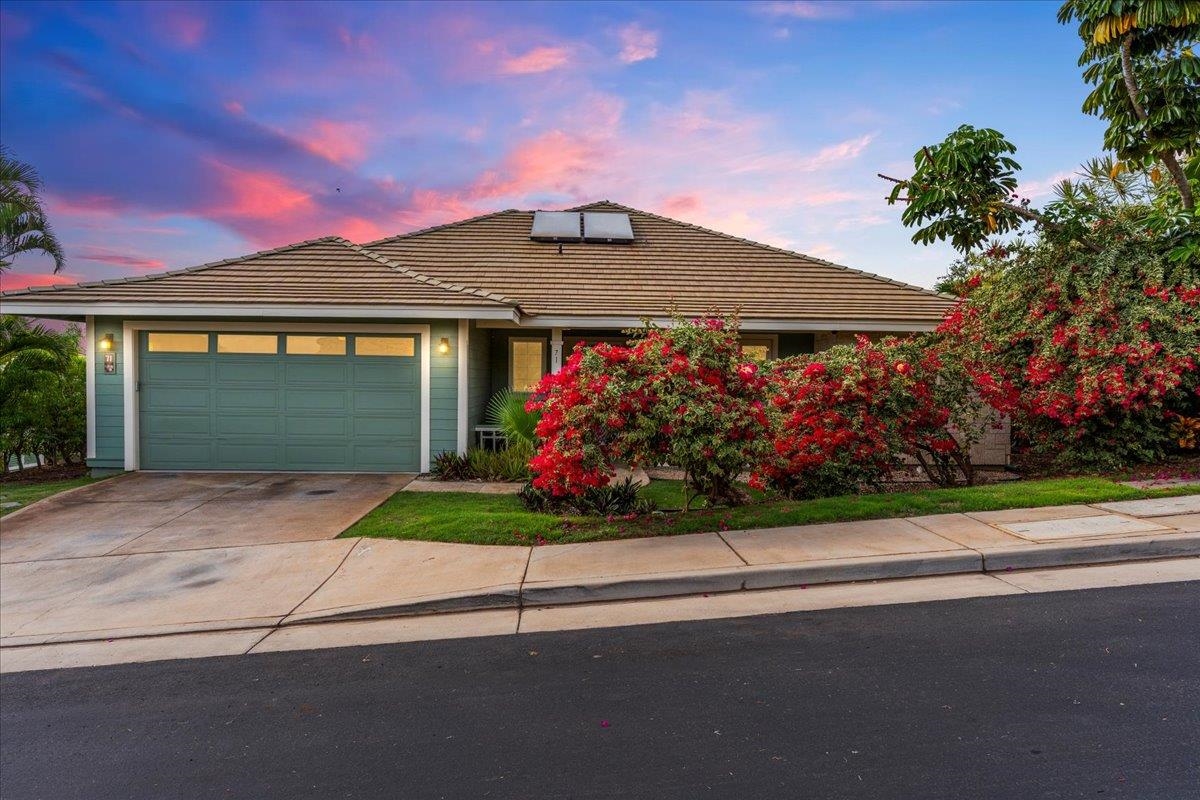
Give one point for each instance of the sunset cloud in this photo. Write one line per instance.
(637, 44)
(119, 259)
(539, 59)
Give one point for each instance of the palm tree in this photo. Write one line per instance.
(23, 224)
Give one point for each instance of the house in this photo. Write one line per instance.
(331, 356)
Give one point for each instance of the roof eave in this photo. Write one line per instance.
(67, 309)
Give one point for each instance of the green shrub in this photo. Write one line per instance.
(506, 410)
(616, 500)
(450, 466)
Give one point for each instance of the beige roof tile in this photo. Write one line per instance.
(669, 264)
(329, 271)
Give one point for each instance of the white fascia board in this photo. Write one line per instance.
(49, 308)
(748, 324)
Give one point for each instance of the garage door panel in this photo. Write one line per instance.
(249, 425)
(187, 454)
(332, 455)
(323, 371)
(391, 372)
(279, 411)
(249, 454)
(386, 426)
(384, 457)
(178, 425)
(316, 400)
(372, 400)
(246, 399)
(300, 427)
(261, 372)
(172, 399)
(196, 369)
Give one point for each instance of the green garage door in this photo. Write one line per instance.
(267, 401)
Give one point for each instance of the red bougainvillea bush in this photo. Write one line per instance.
(1093, 353)
(682, 396)
(847, 415)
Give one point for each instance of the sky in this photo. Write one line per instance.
(173, 134)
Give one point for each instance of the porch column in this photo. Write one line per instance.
(556, 345)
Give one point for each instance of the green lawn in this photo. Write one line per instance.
(26, 493)
(500, 519)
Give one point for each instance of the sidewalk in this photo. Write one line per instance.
(268, 587)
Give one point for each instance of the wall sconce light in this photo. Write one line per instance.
(108, 346)
(107, 343)
(444, 347)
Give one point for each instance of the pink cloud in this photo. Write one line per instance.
(360, 230)
(13, 26)
(119, 259)
(257, 196)
(804, 9)
(234, 107)
(637, 44)
(539, 59)
(341, 143)
(11, 281)
(183, 27)
(681, 205)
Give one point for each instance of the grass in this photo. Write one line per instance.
(26, 493)
(501, 519)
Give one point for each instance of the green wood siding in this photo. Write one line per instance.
(479, 379)
(110, 400)
(443, 389)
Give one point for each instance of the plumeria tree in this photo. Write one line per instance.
(681, 395)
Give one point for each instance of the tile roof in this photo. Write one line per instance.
(669, 264)
(489, 261)
(328, 271)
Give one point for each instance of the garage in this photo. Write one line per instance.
(255, 400)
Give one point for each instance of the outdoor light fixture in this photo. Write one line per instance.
(108, 346)
(107, 343)
(444, 347)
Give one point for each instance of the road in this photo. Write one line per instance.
(1075, 694)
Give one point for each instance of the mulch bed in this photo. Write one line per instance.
(46, 474)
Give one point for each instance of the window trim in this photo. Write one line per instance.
(512, 361)
(770, 340)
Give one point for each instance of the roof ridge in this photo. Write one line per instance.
(444, 225)
(411, 273)
(764, 246)
(165, 273)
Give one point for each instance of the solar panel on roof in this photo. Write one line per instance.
(606, 226)
(555, 226)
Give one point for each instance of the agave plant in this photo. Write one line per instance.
(506, 410)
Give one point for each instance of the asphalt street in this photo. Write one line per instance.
(1090, 694)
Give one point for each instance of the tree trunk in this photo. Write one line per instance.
(1169, 160)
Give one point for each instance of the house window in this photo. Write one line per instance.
(177, 342)
(384, 346)
(526, 363)
(259, 343)
(316, 345)
(758, 348)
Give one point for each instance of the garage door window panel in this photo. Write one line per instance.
(248, 343)
(316, 345)
(163, 342)
(385, 346)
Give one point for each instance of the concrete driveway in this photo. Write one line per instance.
(155, 512)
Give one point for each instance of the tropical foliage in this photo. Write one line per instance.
(24, 227)
(42, 395)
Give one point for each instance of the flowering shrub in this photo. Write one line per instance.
(1092, 353)
(682, 396)
(848, 414)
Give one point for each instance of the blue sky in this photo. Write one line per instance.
(171, 134)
